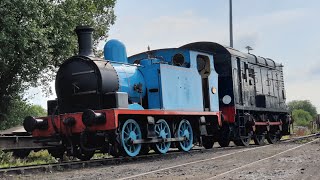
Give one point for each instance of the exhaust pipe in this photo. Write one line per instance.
(85, 41)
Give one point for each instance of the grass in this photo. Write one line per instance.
(34, 158)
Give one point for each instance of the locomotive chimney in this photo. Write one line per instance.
(84, 34)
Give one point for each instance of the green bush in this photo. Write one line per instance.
(305, 105)
(301, 117)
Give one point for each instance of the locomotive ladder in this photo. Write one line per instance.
(242, 123)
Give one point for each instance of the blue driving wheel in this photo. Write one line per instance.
(185, 130)
(130, 131)
(162, 130)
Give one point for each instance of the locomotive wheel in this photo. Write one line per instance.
(21, 153)
(185, 130)
(224, 142)
(162, 130)
(85, 155)
(273, 137)
(259, 139)
(130, 131)
(115, 150)
(56, 153)
(243, 140)
(207, 142)
(224, 137)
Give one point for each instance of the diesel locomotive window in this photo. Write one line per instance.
(178, 59)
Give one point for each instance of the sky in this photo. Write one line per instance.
(287, 31)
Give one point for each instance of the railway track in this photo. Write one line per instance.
(112, 161)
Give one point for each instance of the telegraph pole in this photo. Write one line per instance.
(230, 25)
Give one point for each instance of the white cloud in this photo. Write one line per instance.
(304, 91)
(253, 30)
(168, 31)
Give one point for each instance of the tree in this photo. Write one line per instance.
(304, 105)
(301, 117)
(18, 111)
(36, 36)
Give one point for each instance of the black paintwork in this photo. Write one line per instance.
(82, 82)
(253, 82)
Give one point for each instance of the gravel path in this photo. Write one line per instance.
(301, 163)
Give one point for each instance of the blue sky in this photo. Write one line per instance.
(287, 31)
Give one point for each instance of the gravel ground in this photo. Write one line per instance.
(301, 163)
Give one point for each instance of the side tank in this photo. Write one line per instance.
(130, 77)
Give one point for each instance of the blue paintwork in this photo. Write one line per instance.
(130, 131)
(114, 50)
(181, 88)
(165, 85)
(163, 55)
(135, 106)
(213, 79)
(150, 70)
(129, 76)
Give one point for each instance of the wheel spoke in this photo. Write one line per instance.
(134, 128)
(158, 133)
(180, 132)
(126, 133)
